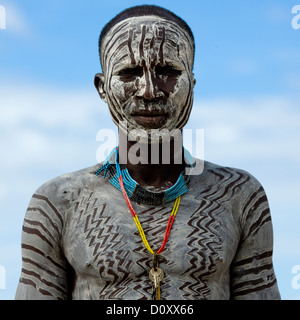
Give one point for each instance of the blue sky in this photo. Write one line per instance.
(247, 100)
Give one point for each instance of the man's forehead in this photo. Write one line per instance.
(145, 32)
(150, 24)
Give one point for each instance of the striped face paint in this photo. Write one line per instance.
(148, 80)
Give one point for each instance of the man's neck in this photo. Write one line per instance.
(152, 164)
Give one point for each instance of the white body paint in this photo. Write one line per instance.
(148, 42)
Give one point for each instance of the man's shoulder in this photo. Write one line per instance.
(217, 168)
(62, 189)
(71, 180)
(216, 174)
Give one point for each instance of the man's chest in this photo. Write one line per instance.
(101, 241)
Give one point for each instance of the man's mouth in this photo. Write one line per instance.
(150, 119)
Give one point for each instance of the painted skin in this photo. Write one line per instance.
(147, 76)
(78, 239)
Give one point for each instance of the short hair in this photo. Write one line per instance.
(145, 10)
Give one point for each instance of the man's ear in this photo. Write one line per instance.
(99, 84)
(194, 80)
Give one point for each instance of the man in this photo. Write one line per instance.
(139, 225)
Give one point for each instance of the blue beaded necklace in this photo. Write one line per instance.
(135, 192)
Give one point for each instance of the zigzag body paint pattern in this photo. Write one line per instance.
(79, 241)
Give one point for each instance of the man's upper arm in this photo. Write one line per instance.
(252, 273)
(44, 268)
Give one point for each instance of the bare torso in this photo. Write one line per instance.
(78, 226)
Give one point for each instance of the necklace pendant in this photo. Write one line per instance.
(156, 275)
(156, 293)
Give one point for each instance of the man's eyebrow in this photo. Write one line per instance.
(176, 64)
(122, 66)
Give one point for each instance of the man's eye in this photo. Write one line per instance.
(131, 72)
(167, 71)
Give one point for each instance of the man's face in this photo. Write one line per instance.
(148, 80)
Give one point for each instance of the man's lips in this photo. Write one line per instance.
(148, 113)
(153, 119)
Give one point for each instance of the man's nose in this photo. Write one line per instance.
(147, 88)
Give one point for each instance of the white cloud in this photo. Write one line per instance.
(47, 129)
(48, 107)
(264, 127)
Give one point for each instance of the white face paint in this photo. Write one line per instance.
(148, 80)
